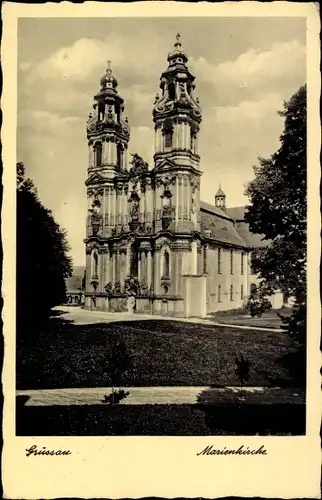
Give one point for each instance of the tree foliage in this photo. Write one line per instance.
(42, 260)
(278, 210)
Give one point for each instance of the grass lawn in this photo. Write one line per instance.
(164, 353)
(269, 319)
(160, 420)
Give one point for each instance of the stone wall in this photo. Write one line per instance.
(195, 296)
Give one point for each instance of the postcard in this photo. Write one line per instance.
(161, 237)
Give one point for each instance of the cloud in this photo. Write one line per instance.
(142, 142)
(24, 66)
(47, 123)
(254, 111)
(79, 61)
(74, 62)
(244, 131)
(254, 71)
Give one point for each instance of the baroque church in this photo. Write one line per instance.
(152, 244)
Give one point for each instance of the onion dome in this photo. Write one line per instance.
(177, 55)
(108, 80)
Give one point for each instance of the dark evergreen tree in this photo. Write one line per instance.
(42, 260)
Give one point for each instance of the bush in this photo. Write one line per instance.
(131, 286)
(115, 397)
(257, 303)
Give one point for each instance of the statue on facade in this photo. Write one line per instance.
(139, 166)
(95, 217)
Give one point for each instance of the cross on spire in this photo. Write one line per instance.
(108, 69)
(178, 40)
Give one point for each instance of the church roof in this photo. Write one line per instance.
(221, 227)
(236, 213)
(251, 239)
(229, 226)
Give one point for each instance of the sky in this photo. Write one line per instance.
(245, 69)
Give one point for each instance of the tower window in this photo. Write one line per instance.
(219, 293)
(219, 261)
(119, 155)
(134, 261)
(241, 291)
(168, 139)
(166, 264)
(167, 132)
(171, 89)
(231, 293)
(98, 154)
(95, 266)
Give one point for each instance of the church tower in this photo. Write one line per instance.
(177, 117)
(108, 134)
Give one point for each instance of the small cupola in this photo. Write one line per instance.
(220, 198)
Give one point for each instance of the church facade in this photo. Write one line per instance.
(148, 233)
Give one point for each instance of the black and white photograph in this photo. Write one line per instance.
(161, 230)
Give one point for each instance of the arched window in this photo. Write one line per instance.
(119, 151)
(167, 132)
(242, 263)
(253, 288)
(134, 261)
(171, 89)
(98, 154)
(231, 292)
(241, 291)
(165, 290)
(95, 265)
(231, 262)
(166, 264)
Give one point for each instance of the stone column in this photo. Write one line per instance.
(117, 265)
(157, 272)
(139, 265)
(128, 261)
(88, 272)
(119, 205)
(185, 197)
(149, 201)
(149, 268)
(122, 265)
(178, 272)
(113, 267)
(124, 209)
(107, 268)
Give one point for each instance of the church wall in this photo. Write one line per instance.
(222, 299)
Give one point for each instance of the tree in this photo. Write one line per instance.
(42, 260)
(278, 210)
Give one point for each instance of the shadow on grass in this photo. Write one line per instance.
(294, 363)
(160, 420)
(164, 352)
